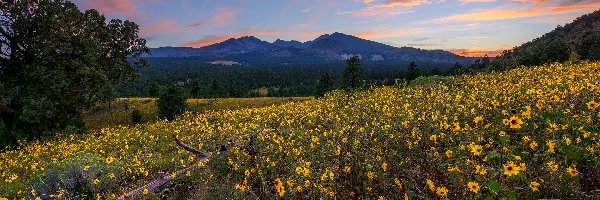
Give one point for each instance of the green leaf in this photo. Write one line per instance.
(512, 196)
(505, 138)
(494, 186)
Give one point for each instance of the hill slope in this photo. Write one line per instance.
(582, 36)
(527, 132)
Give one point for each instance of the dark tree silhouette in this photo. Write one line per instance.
(171, 102)
(56, 61)
(325, 84)
(413, 72)
(354, 73)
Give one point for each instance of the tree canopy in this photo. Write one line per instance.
(353, 74)
(56, 61)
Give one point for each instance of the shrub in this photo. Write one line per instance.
(80, 176)
(428, 81)
(136, 116)
(171, 102)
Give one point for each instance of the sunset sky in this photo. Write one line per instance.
(466, 27)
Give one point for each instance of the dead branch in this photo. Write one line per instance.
(154, 185)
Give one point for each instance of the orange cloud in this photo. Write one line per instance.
(477, 52)
(535, 2)
(511, 13)
(212, 39)
(387, 8)
(220, 19)
(553, 20)
(476, 1)
(111, 7)
(404, 3)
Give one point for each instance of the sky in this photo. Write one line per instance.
(465, 27)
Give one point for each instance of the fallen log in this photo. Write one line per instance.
(154, 185)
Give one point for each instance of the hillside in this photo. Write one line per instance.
(582, 37)
(328, 47)
(527, 132)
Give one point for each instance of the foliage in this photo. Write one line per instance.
(530, 132)
(581, 36)
(282, 80)
(77, 177)
(431, 81)
(102, 115)
(457, 69)
(353, 74)
(325, 85)
(413, 72)
(56, 61)
(171, 102)
(136, 116)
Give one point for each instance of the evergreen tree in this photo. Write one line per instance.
(353, 74)
(413, 72)
(589, 47)
(57, 61)
(195, 91)
(136, 116)
(171, 102)
(324, 85)
(154, 90)
(456, 69)
(556, 51)
(215, 88)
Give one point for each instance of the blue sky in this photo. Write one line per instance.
(466, 27)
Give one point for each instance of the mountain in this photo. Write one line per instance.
(578, 38)
(327, 47)
(293, 43)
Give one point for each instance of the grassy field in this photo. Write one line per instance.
(527, 133)
(119, 111)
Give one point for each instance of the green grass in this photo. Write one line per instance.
(118, 112)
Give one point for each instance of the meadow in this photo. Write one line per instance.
(527, 133)
(118, 112)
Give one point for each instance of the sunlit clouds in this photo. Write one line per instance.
(451, 24)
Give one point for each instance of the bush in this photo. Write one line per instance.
(171, 102)
(427, 81)
(80, 176)
(136, 116)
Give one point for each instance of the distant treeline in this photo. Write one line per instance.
(203, 80)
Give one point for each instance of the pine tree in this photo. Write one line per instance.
(195, 91)
(325, 84)
(215, 88)
(456, 69)
(171, 102)
(353, 74)
(413, 72)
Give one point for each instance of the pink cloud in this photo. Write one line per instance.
(220, 19)
(111, 7)
(161, 26)
(500, 13)
(387, 8)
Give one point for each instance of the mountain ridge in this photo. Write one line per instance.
(335, 46)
